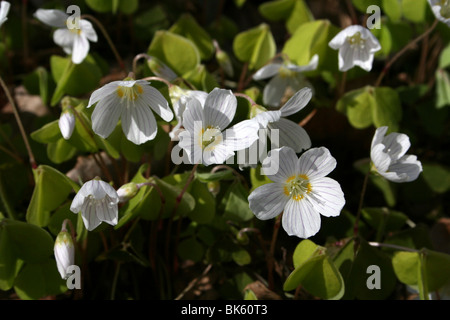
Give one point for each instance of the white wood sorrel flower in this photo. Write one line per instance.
(98, 202)
(73, 40)
(301, 189)
(131, 101)
(357, 46)
(441, 9)
(66, 123)
(388, 155)
(64, 251)
(4, 10)
(205, 139)
(284, 75)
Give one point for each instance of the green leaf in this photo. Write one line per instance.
(255, 46)
(426, 269)
(39, 280)
(387, 110)
(314, 37)
(48, 133)
(384, 219)
(357, 105)
(241, 257)
(60, 151)
(29, 242)
(393, 9)
(299, 15)
(200, 78)
(102, 6)
(276, 10)
(215, 176)
(415, 10)
(316, 272)
(188, 27)
(38, 82)
(257, 179)
(236, 203)
(74, 79)
(50, 191)
(9, 263)
(362, 5)
(180, 54)
(205, 203)
(191, 249)
(442, 88)
(437, 177)
(444, 58)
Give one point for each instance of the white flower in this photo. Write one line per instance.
(205, 139)
(357, 46)
(290, 134)
(388, 155)
(97, 201)
(179, 98)
(441, 9)
(74, 41)
(161, 69)
(66, 123)
(284, 76)
(64, 251)
(300, 188)
(4, 9)
(129, 100)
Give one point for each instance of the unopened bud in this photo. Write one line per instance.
(64, 251)
(127, 191)
(214, 187)
(66, 123)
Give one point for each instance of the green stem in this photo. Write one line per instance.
(116, 277)
(5, 202)
(59, 90)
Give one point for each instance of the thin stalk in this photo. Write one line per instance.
(242, 95)
(391, 246)
(271, 265)
(19, 123)
(108, 39)
(401, 52)
(4, 199)
(116, 277)
(358, 214)
(241, 83)
(11, 154)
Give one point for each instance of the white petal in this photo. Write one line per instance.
(89, 215)
(242, 135)
(88, 30)
(156, 101)
(363, 59)
(267, 201)
(406, 169)
(274, 91)
(110, 191)
(64, 38)
(80, 49)
(103, 92)
(291, 135)
(193, 116)
(345, 58)
(267, 117)
(107, 212)
(220, 108)
(396, 145)
(54, 18)
(297, 102)
(280, 164)
(139, 123)
(106, 114)
(77, 202)
(379, 136)
(316, 163)
(268, 71)
(300, 219)
(66, 124)
(328, 198)
(4, 10)
(217, 154)
(380, 159)
(312, 65)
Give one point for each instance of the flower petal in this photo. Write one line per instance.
(103, 92)
(316, 163)
(106, 114)
(312, 65)
(300, 219)
(52, 17)
(266, 117)
(406, 169)
(297, 102)
(217, 155)
(274, 91)
(192, 115)
(139, 123)
(4, 9)
(107, 212)
(156, 101)
(280, 164)
(380, 159)
(378, 136)
(268, 71)
(267, 201)
(328, 198)
(396, 145)
(89, 215)
(242, 135)
(220, 108)
(291, 135)
(80, 49)
(88, 30)
(65, 39)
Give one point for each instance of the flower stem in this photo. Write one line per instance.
(361, 202)
(271, 264)
(392, 246)
(242, 95)
(108, 39)
(19, 123)
(401, 52)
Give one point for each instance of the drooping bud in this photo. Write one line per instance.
(66, 122)
(127, 191)
(64, 251)
(160, 69)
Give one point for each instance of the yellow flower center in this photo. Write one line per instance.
(297, 186)
(129, 93)
(445, 8)
(356, 40)
(285, 72)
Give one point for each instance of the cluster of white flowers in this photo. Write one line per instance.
(300, 190)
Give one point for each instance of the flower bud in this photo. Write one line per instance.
(225, 62)
(160, 69)
(67, 123)
(214, 187)
(127, 191)
(64, 251)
